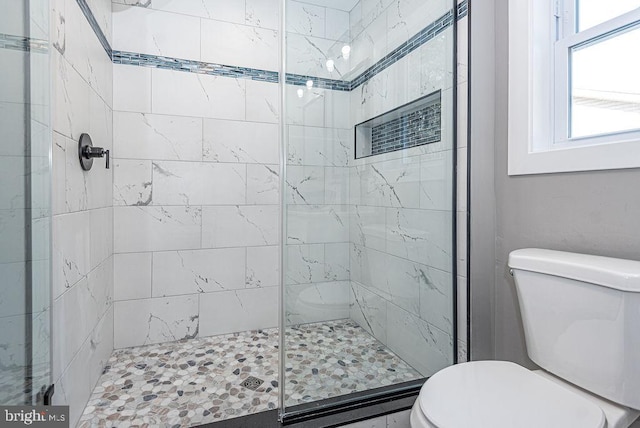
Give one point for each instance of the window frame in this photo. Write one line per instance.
(541, 35)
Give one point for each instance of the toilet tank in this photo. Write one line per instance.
(581, 317)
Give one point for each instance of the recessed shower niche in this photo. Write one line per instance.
(411, 125)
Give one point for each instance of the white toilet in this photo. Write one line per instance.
(581, 317)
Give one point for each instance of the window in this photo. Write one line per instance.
(574, 85)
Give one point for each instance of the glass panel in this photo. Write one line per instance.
(24, 202)
(594, 12)
(368, 242)
(605, 89)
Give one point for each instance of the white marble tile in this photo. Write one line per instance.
(131, 276)
(307, 110)
(394, 183)
(337, 25)
(308, 55)
(132, 182)
(199, 95)
(305, 19)
(326, 301)
(101, 231)
(139, 229)
(222, 10)
(238, 310)
(317, 224)
(101, 9)
(369, 310)
(263, 184)
(198, 271)
(423, 346)
(99, 346)
(148, 31)
(263, 266)
(305, 264)
(131, 88)
(263, 13)
(73, 389)
(189, 183)
(436, 181)
(157, 320)
(71, 250)
(239, 45)
(58, 173)
(408, 17)
(336, 185)
(423, 236)
(367, 226)
(319, 146)
(244, 142)
(157, 137)
(436, 291)
(305, 185)
(235, 226)
(337, 110)
(336, 261)
(396, 280)
(76, 312)
(71, 114)
(263, 101)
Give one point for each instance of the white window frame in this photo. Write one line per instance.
(539, 94)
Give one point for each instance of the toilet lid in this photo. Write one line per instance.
(497, 394)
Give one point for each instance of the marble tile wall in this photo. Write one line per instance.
(82, 101)
(196, 175)
(400, 203)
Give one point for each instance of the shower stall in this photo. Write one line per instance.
(280, 227)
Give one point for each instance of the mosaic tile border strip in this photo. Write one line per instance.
(167, 63)
(191, 66)
(25, 44)
(414, 129)
(86, 10)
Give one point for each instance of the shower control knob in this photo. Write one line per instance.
(87, 152)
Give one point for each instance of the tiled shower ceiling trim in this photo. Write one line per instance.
(155, 61)
(20, 43)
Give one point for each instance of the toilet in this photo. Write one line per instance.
(581, 317)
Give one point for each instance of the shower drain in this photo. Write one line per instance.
(252, 383)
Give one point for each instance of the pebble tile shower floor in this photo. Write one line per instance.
(198, 381)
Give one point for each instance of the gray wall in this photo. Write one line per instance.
(589, 212)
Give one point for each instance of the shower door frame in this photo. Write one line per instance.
(391, 398)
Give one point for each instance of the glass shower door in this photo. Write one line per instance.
(369, 208)
(25, 208)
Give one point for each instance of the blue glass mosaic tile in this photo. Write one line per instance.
(26, 44)
(167, 63)
(411, 130)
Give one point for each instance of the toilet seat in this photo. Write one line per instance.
(497, 394)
